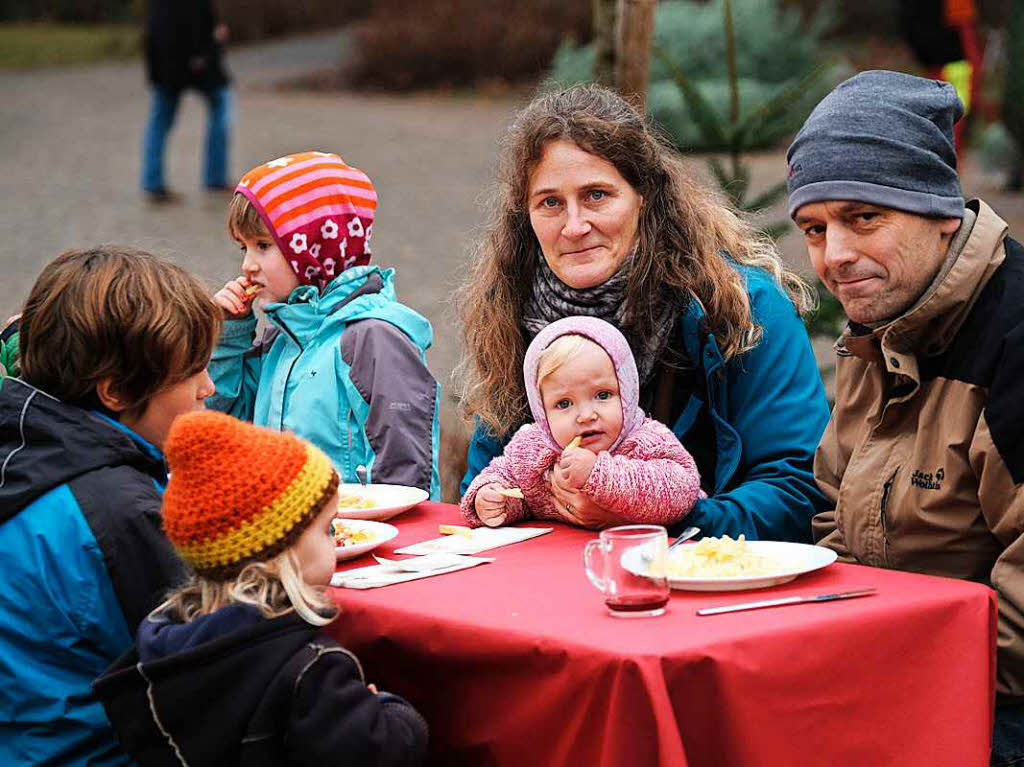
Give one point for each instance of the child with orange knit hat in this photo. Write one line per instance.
(341, 362)
(249, 510)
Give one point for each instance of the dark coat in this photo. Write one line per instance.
(258, 692)
(84, 561)
(181, 52)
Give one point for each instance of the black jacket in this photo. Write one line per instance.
(84, 560)
(115, 484)
(272, 692)
(181, 52)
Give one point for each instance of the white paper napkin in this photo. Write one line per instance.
(479, 539)
(384, 575)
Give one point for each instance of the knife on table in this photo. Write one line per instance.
(786, 601)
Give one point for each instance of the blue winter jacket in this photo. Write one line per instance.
(83, 560)
(768, 411)
(345, 369)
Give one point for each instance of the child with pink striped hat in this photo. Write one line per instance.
(340, 361)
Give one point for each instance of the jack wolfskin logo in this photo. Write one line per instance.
(928, 481)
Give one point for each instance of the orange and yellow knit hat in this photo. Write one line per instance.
(239, 493)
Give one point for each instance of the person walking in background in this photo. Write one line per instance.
(183, 43)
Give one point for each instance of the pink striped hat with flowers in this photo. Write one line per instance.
(318, 209)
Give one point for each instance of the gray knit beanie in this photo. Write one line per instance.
(884, 138)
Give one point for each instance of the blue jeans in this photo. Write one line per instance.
(1008, 736)
(163, 108)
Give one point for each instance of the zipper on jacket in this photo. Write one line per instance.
(883, 508)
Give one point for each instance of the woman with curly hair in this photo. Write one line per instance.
(596, 215)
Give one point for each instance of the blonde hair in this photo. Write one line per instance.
(275, 587)
(244, 220)
(687, 237)
(560, 351)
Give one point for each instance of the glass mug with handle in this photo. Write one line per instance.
(627, 565)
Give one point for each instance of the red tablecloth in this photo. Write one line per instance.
(517, 663)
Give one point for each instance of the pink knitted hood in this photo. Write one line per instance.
(614, 343)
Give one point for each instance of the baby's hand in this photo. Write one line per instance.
(574, 467)
(235, 298)
(490, 505)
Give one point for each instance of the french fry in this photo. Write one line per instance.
(465, 532)
(511, 492)
(252, 290)
(576, 442)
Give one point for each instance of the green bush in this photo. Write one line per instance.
(35, 44)
(774, 48)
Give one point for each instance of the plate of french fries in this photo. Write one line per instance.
(377, 502)
(353, 537)
(724, 564)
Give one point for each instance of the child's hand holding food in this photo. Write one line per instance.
(574, 467)
(490, 504)
(235, 298)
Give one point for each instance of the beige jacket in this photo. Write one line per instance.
(923, 457)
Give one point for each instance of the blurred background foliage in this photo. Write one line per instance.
(403, 45)
(777, 47)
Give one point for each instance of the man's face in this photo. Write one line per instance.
(877, 261)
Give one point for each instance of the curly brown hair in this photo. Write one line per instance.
(686, 236)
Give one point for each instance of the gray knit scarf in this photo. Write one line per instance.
(552, 300)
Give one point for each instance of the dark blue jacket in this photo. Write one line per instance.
(83, 561)
(272, 693)
(767, 411)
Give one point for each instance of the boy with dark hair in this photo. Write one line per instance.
(113, 345)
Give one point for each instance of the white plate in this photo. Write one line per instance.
(390, 500)
(381, 533)
(794, 559)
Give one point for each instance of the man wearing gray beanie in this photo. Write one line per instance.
(923, 458)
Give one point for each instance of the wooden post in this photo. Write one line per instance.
(633, 60)
(605, 16)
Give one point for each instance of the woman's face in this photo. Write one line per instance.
(583, 212)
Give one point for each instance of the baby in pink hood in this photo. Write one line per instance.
(583, 389)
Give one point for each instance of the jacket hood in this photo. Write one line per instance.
(359, 293)
(45, 443)
(158, 636)
(614, 343)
